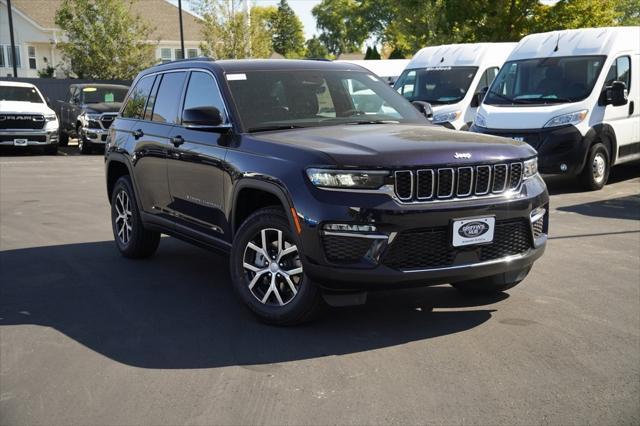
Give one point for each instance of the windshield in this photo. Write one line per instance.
(20, 94)
(269, 100)
(545, 81)
(97, 95)
(436, 85)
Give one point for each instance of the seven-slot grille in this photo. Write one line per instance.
(458, 182)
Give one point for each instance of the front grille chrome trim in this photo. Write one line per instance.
(395, 177)
(470, 182)
(506, 178)
(433, 184)
(453, 183)
(472, 265)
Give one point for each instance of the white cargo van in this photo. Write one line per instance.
(574, 96)
(387, 69)
(451, 78)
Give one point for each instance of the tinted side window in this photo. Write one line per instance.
(166, 103)
(134, 107)
(203, 92)
(620, 71)
(152, 100)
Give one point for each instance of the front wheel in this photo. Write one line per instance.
(132, 239)
(63, 138)
(596, 170)
(51, 149)
(493, 284)
(267, 273)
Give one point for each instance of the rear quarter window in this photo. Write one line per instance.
(134, 108)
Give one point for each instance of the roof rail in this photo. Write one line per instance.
(197, 58)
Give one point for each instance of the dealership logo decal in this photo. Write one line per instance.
(459, 155)
(473, 229)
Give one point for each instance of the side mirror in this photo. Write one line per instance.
(202, 118)
(616, 94)
(478, 97)
(424, 108)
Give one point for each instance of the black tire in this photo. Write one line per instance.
(493, 284)
(139, 242)
(83, 145)
(596, 170)
(51, 149)
(63, 138)
(283, 306)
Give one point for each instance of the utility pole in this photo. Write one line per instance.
(13, 43)
(184, 54)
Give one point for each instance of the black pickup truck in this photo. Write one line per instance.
(88, 113)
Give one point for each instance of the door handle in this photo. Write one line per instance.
(177, 140)
(631, 108)
(138, 133)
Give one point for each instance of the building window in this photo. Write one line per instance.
(10, 57)
(192, 53)
(178, 53)
(2, 61)
(165, 55)
(32, 57)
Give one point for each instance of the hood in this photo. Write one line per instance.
(525, 117)
(103, 107)
(17, 107)
(400, 145)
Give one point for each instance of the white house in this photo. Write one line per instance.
(36, 34)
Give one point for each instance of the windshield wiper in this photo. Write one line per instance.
(274, 127)
(556, 100)
(373, 122)
(508, 99)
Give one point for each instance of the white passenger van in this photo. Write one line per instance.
(387, 69)
(574, 96)
(451, 78)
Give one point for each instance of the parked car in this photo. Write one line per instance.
(574, 96)
(453, 79)
(88, 114)
(236, 156)
(25, 118)
(387, 69)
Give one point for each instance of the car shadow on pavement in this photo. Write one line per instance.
(567, 185)
(616, 208)
(177, 310)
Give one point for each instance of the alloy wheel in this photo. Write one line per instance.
(272, 268)
(123, 218)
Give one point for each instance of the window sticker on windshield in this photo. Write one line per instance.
(233, 77)
(108, 97)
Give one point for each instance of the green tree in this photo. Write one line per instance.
(229, 31)
(105, 39)
(628, 12)
(315, 49)
(341, 25)
(286, 29)
(372, 53)
(567, 14)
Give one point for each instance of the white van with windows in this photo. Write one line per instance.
(451, 78)
(574, 96)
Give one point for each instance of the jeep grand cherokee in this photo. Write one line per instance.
(320, 181)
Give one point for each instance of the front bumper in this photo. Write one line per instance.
(19, 137)
(381, 267)
(561, 150)
(95, 136)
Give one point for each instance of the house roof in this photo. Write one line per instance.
(160, 14)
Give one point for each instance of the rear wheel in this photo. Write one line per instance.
(63, 138)
(267, 273)
(492, 284)
(132, 239)
(596, 170)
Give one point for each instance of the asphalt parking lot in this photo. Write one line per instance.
(88, 337)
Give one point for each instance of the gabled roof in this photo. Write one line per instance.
(160, 14)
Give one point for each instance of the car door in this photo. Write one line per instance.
(148, 142)
(196, 162)
(623, 118)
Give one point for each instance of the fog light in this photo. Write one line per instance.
(563, 167)
(343, 227)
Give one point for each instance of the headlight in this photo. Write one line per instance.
(50, 117)
(347, 179)
(51, 122)
(530, 168)
(564, 119)
(480, 121)
(446, 117)
(90, 116)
